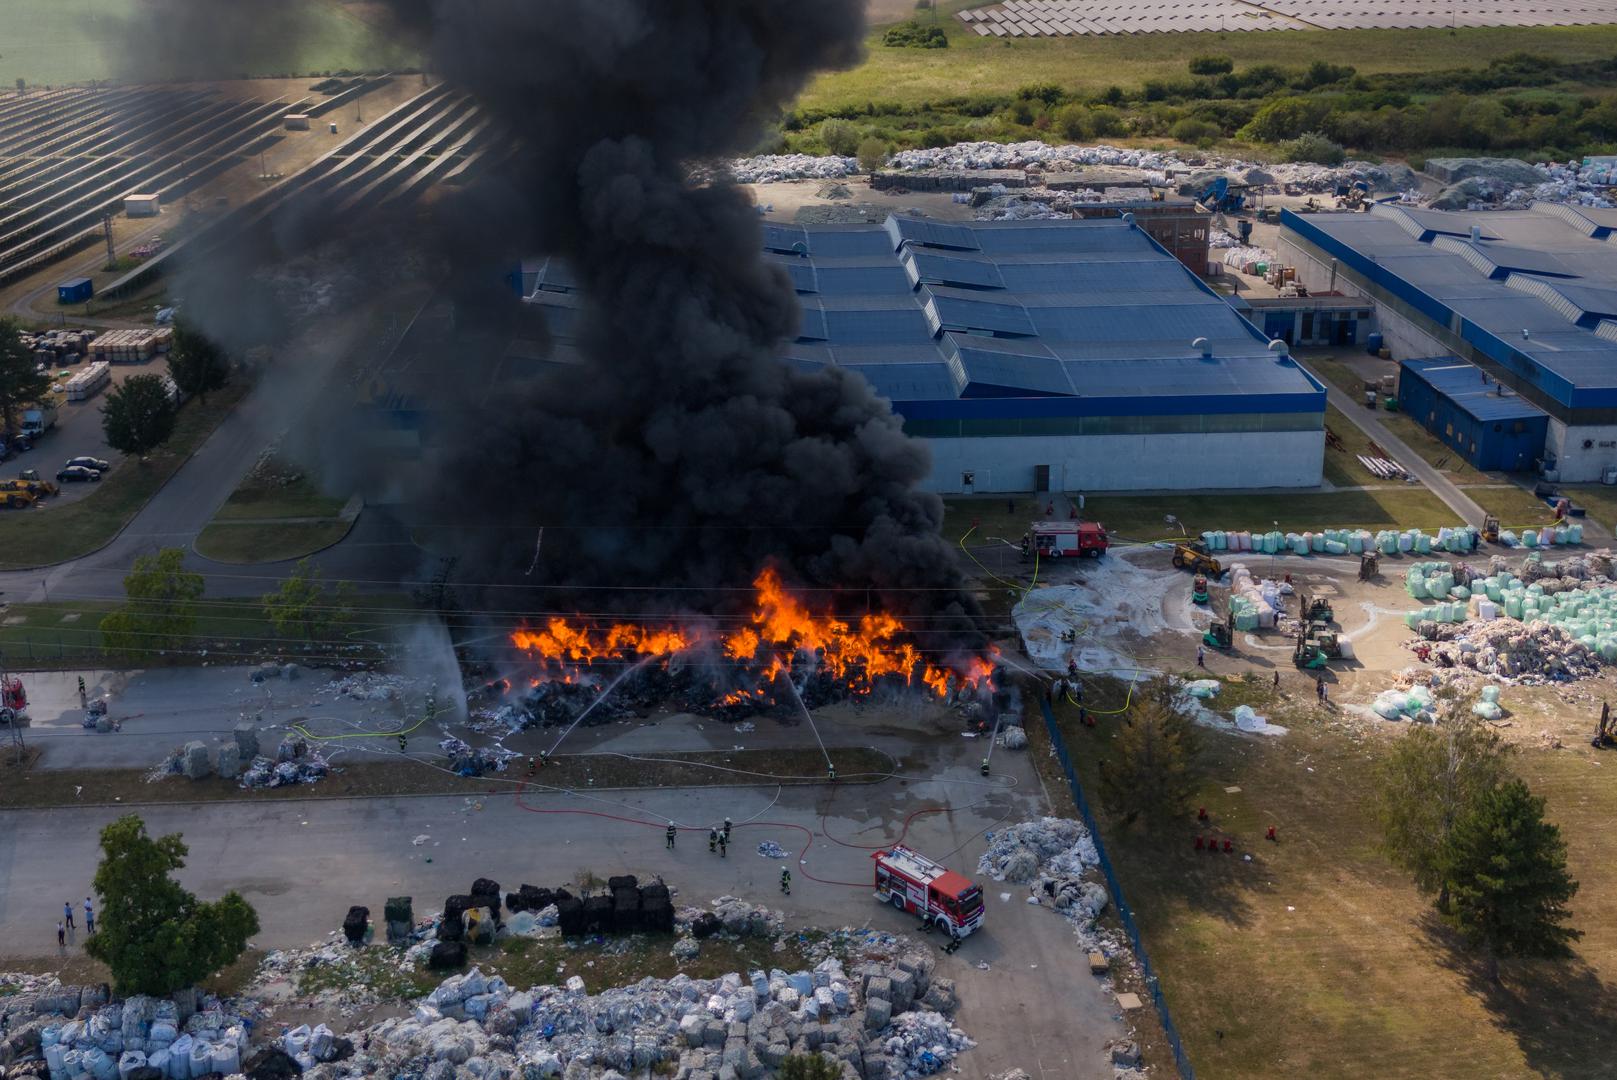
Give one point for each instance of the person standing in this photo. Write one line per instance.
(89, 917)
(61, 936)
(1201, 657)
(67, 914)
(84, 701)
(713, 839)
(726, 832)
(672, 832)
(786, 881)
(724, 845)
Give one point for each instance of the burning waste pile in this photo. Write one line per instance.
(781, 660)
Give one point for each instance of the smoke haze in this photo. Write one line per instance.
(680, 452)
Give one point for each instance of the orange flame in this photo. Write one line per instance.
(783, 637)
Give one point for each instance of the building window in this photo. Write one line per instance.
(1448, 429)
(968, 479)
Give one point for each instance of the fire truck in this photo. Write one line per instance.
(1064, 540)
(13, 699)
(914, 883)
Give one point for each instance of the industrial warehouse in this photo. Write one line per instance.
(1044, 356)
(1529, 297)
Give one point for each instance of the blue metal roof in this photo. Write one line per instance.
(1469, 387)
(1528, 291)
(1019, 319)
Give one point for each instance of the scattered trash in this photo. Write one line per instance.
(771, 850)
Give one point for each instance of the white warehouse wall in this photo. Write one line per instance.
(1575, 464)
(1188, 462)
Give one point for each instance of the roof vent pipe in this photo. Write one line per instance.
(1476, 234)
(1202, 345)
(1279, 347)
(1128, 219)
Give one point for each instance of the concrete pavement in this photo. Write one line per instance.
(303, 863)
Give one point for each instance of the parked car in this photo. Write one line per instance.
(90, 463)
(77, 472)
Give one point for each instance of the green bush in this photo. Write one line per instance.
(915, 35)
(1073, 122)
(873, 153)
(840, 137)
(1049, 93)
(1104, 121)
(1312, 146)
(1211, 65)
(1198, 132)
(1283, 118)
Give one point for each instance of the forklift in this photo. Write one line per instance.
(1198, 590)
(1316, 647)
(1490, 529)
(1316, 611)
(1194, 555)
(1369, 566)
(1221, 635)
(1605, 730)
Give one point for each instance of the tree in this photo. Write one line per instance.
(810, 1067)
(1283, 118)
(196, 363)
(20, 383)
(302, 603)
(1154, 774)
(139, 415)
(1435, 776)
(1510, 885)
(1311, 146)
(873, 153)
(156, 937)
(840, 136)
(160, 611)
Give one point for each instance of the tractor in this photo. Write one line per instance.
(1194, 556)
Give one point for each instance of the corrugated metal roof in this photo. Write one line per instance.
(1470, 388)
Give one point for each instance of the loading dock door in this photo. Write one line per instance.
(1041, 478)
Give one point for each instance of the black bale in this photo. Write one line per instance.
(705, 925)
(655, 891)
(447, 955)
(271, 1063)
(399, 909)
(621, 881)
(598, 915)
(656, 914)
(354, 926)
(570, 916)
(626, 910)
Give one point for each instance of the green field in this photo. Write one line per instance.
(1318, 958)
(70, 41)
(978, 65)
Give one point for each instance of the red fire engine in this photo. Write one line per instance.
(1065, 539)
(12, 696)
(914, 883)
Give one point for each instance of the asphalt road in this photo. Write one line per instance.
(302, 864)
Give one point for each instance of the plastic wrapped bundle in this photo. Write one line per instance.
(1316, 543)
(1574, 533)
(158, 1059)
(201, 1058)
(1389, 705)
(1299, 545)
(53, 1058)
(1530, 538)
(226, 1059)
(1487, 710)
(1208, 542)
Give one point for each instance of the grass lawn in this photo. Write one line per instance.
(973, 64)
(63, 41)
(1342, 467)
(56, 534)
(1442, 458)
(66, 633)
(1514, 507)
(261, 542)
(276, 489)
(1600, 500)
(1318, 958)
(1140, 517)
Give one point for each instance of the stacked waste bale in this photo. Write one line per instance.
(355, 925)
(400, 916)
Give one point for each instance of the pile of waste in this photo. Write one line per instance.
(1570, 182)
(1056, 859)
(368, 686)
(1414, 703)
(171, 1037)
(468, 760)
(771, 850)
(772, 168)
(1529, 653)
(1575, 594)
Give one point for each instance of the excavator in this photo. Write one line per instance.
(1605, 729)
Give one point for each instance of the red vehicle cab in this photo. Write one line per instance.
(1065, 540)
(914, 883)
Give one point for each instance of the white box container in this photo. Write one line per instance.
(141, 205)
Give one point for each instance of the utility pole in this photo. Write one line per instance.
(112, 254)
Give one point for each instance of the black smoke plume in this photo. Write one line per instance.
(680, 452)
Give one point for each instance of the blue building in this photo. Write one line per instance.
(1043, 355)
(1491, 426)
(76, 291)
(1527, 296)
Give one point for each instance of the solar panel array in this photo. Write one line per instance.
(1066, 18)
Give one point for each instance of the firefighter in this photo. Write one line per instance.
(713, 839)
(983, 768)
(544, 758)
(726, 832)
(532, 765)
(785, 881)
(83, 700)
(404, 742)
(671, 833)
(831, 773)
(724, 846)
